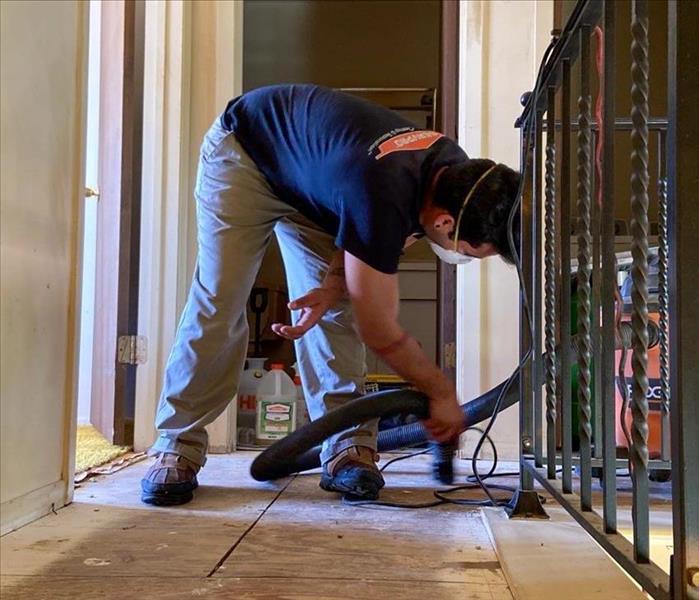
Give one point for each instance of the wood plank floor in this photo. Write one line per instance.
(243, 539)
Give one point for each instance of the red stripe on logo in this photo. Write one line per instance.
(412, 140)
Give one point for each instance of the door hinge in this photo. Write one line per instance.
(131, 349)
(449, 355)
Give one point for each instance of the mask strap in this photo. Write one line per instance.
(463, 206)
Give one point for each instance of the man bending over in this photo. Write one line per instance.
(345, 185)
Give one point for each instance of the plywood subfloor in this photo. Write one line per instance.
(243, 539)
(543, 558)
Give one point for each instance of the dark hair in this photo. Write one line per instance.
(485, 217)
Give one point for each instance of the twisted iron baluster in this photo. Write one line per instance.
(639, 275)
(662, 314)
(563, 286)
(584, 273)
(550, 286)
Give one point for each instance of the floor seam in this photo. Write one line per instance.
(361, 578)
(271, 577)
(237, 543)
(340, 578)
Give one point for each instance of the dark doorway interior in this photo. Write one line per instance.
(349, 44)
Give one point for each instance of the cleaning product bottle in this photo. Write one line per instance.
(247, 400)
(301, 409)
(276, 406)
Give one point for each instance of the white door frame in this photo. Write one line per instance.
(89, 237)
(493, 33)
(193, 66)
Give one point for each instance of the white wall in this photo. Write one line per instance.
(43, 58)
(501, 45)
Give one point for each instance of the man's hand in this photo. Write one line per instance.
(313, 306)
(446, 420)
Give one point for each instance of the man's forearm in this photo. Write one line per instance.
(376, 301)
(406, 357)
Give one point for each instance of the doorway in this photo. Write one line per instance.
(384, 50)
(402, 55)
(109, 347)
(199, 84)
(89, 242)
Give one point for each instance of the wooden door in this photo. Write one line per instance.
(118, 219)
(44, 68)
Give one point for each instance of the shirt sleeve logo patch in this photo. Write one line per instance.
(411, 140)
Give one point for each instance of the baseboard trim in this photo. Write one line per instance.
(32, 506)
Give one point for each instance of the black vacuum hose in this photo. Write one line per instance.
(300, 451)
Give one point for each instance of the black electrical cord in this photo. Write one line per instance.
(439, 494)
(404, 457)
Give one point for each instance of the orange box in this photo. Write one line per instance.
(654, 398)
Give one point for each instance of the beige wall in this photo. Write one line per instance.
(43, 74)
(501, 45)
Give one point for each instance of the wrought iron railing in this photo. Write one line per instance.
(560, 182)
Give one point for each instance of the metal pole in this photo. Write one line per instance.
(526, 384)
(537, 208)
(663, 301)
(683, 234)
(639, 276)
(565, 379)
(551, 278)
(584, 345)
(595, 322)
(609, 286)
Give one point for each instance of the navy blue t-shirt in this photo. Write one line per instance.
(358, 170)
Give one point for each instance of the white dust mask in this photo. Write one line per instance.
(449, 256)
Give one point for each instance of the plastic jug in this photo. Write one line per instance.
(250, 380)
(302, 417)
(276, 406)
